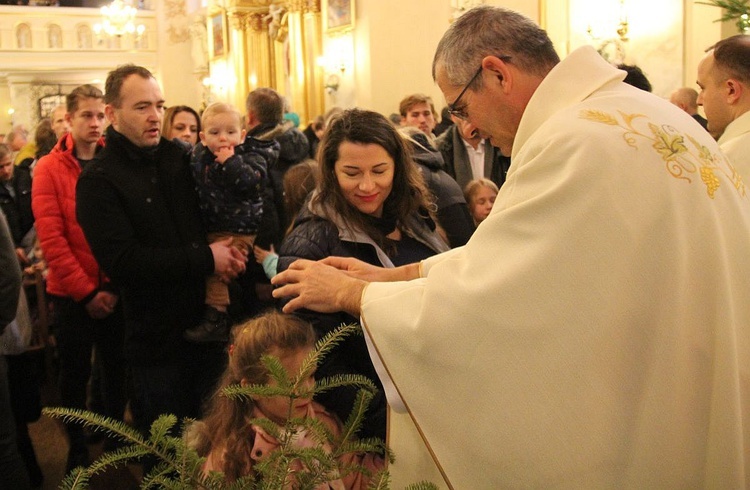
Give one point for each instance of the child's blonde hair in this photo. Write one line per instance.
(473, 187)
(220, 108)
(225, 426)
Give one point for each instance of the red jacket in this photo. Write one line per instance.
(73, 271)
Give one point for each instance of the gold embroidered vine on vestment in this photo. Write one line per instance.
(681, 160)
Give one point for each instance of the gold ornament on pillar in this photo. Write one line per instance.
(239, 20)
(313, 6)
(255, 23)
(276, 43)
(278, 23)
(296, 5)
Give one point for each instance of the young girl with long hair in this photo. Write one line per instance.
(480, 194)
(226, 436)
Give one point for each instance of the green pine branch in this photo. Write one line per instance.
(77, 478)
(734, 10)
(356, 416)
(340, 380)
(179, 467)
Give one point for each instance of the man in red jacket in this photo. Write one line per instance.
(85, 306)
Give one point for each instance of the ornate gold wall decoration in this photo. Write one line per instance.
(178, 22)
(276, 44)
(313, 6)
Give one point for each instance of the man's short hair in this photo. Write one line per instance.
(732, 55)
(115, 79)
(485, 31)
(415, 99)
(17, 131)
(61, 107)
(82, 92)
(266, 104)
(686, 96)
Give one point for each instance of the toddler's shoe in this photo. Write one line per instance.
(213, 328)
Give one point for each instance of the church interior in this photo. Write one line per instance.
(319, 54)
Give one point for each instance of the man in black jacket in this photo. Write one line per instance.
(265, 112)
(15, 201)
(138, 208)
(12, 470)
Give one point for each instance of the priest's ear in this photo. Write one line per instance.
(499, 69)
(736, 90)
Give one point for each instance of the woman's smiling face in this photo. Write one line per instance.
(365, 175)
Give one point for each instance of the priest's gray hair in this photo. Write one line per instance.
(486, 31)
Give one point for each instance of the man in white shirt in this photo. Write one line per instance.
(593, 331)
(468, 156)
(724, 79)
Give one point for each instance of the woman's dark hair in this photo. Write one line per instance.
(45, 138)
(635, 77)
(408, 194)
(299, 181)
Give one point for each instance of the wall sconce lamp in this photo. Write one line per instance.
(332, 84)
(332, 64)
(621, 30)
(622, 27)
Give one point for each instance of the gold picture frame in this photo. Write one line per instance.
(338, 16)
(217, 34)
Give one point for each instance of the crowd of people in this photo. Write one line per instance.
(565, 253)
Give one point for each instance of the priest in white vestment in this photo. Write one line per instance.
(593, 333)
(724, 79)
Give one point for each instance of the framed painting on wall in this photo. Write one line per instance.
(338, 15)
(217, 34)
(48, 103)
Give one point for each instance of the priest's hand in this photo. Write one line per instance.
(372, 273)
(318, 287)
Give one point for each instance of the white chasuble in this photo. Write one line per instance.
(735, 143)
(593, 333)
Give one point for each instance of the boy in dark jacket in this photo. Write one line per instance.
(231, 177)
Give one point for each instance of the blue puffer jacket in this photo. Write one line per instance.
(231, 195)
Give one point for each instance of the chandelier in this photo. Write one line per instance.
(118, 18)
